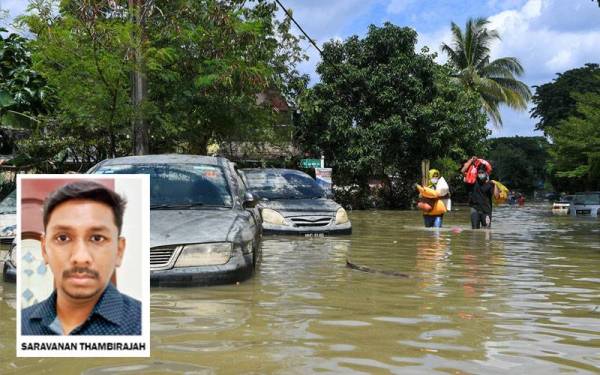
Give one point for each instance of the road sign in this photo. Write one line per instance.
(310, 163)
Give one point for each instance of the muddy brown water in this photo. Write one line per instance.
(521, 298)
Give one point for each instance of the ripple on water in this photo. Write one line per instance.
(404, 320)
(151, 367)
(344, 323)
(198, 346)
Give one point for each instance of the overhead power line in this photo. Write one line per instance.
(299, 27)
(289, 14)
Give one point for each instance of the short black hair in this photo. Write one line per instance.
(88, 190)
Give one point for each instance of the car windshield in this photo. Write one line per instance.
(180, 185)
(587, 199)
(283, 185)
(9, 204)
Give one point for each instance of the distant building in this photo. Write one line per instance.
(278, 150)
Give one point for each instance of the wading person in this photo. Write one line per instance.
(480, 198)
(82, 245)
(434, 199)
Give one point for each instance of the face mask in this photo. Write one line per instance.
(482, 176)
(434, 180)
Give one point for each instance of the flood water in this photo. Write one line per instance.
(521, 298)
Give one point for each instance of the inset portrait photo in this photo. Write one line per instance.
(83, 277)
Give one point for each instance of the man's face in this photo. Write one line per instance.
(82, 247)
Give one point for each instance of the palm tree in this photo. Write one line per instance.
(495, 80)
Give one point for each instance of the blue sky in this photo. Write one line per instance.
(548, 36)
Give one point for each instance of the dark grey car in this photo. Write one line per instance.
(291, 202)
(201, 231)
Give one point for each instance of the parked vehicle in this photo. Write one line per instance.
(552, 196)
(8, 222)
(8, 227)
(586, 204)
(203, 229)
(291, 202)
(562, 206)
(9, 268)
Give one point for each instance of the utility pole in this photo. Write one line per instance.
(138, 80)
(424, 172)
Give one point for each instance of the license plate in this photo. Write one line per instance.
(314, 234)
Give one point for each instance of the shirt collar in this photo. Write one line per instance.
(109, 306)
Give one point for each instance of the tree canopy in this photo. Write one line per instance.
(554, 101)
(381, 107)
(24, 93)
(567, 110)
(519, 162)
(203, 62)
(576, 146)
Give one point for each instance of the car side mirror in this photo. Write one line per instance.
(249, 200)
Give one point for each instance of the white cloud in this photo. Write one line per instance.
(545, 45)
(504, 4)
(545, 50)
(323, 19)
(398, 6)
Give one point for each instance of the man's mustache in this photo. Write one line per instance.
(80, 270)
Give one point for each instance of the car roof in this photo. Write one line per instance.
(166, 159)
(272, 170)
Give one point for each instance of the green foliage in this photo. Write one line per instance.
(84, 52)
(576, 146)
(494, 81)
(519, 162)
(554, 101)
(203, 62)
(207, 63)
(381, 107)
(24, 93)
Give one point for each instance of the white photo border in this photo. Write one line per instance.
(100, 346)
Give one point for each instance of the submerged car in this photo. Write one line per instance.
(562, 206)
(586, 204)
(9, 268)
(8, 221)
(203, 230)
(291, 202)
(8, 226)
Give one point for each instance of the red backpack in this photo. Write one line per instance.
(471, 172)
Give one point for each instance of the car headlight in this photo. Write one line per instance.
(272, 217)
(341, 217)
(205, 254)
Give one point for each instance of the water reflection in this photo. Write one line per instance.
(523, 297)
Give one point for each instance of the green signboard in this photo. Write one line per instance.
(310, 163)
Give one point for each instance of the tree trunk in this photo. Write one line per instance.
(138, 83)
(200, 145)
